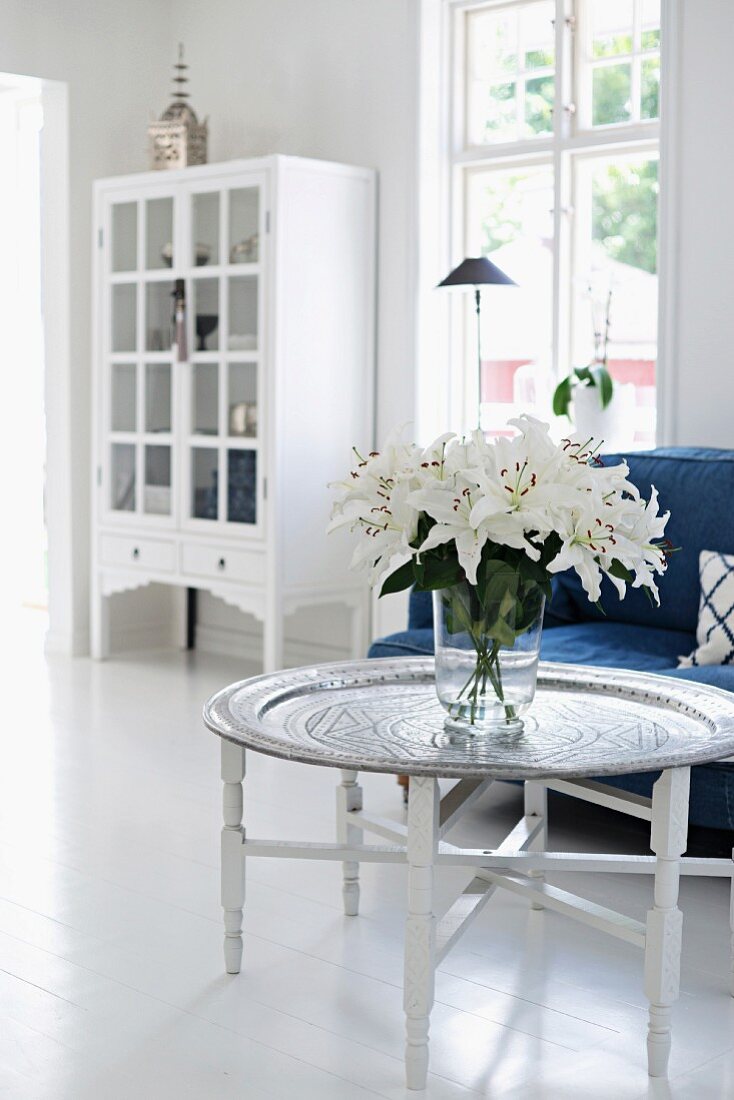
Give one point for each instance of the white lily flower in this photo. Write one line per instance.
(513, 492)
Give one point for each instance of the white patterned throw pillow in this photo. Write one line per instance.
(715, 633)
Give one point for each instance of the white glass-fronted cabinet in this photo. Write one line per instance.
(233, 342)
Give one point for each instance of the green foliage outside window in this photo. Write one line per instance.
(624, 212)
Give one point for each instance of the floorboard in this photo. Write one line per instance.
(111, 979)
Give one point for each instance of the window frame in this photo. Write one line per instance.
(443, 148)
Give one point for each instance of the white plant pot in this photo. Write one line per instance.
(615, 425)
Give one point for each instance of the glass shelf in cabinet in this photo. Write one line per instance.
(159, 234)
(243, 207)
(205, 314)
(205, 229)
(242, 399)
(157, 497)
(243, 295)
(123, 320)
(158, 394)
(205, 399)
(124, 251)
(158, 315)
(242, 486)
(123, 477)
(204, 483)
(123, 397)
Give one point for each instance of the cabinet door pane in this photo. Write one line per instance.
(158, 233)
(243, 313)
(204, 482)
(242, 399)
(158, 397)
(206, 314)
(122, 480)
(122, 399)
(244, 222)
(157, 491)
(124, 319)
(242, 486)
(158, 316)
(205, 229)
(205, 399)
(125, 236)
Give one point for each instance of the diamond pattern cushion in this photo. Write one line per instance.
(715, 633)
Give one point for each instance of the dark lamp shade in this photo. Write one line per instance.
(477, 272)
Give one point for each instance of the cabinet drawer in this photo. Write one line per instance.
(153, 554)
(224, 562)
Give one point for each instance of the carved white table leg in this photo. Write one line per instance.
(536, 805)
(349, 797)
(233, 861)
(664, 922)
(420, 928)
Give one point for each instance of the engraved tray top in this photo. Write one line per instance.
(383, 716)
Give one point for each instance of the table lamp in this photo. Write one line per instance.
(477, 272)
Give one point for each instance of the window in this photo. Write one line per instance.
(554, 176)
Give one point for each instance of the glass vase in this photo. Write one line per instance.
(487, 645)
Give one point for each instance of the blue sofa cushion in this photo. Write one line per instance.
(408, 643)
(697, 485)
(719, 676)
(618, 645)
(420, 610)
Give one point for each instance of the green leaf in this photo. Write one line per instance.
(584, 375)
(621, 572)
(562, 396)
(603, 379)
(398, 581)
(438, 572)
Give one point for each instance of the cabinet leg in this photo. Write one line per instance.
(233, 859)
(536, 805)
(348, 798)
(100, 625)
(665, 920)
(420, 926)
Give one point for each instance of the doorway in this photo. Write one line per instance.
(24, 549)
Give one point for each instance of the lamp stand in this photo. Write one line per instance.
(478, 305)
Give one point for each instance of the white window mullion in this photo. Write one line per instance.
(562, 209)
(497, 186)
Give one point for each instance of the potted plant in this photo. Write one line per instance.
(484, 525)
(589, 397)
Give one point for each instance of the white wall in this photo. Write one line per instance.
(335, 79)
(116, 59)
(338, 79)
(703, 333)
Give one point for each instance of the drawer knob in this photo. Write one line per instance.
(136, 553)
(222, 563)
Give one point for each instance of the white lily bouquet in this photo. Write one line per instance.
(484, 526)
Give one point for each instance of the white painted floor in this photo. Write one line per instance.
(111, 978)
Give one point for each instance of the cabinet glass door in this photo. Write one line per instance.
(224, 387)
(139, 392)
(124, 236)
(159, 234)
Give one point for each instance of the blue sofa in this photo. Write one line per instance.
(697, 485)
